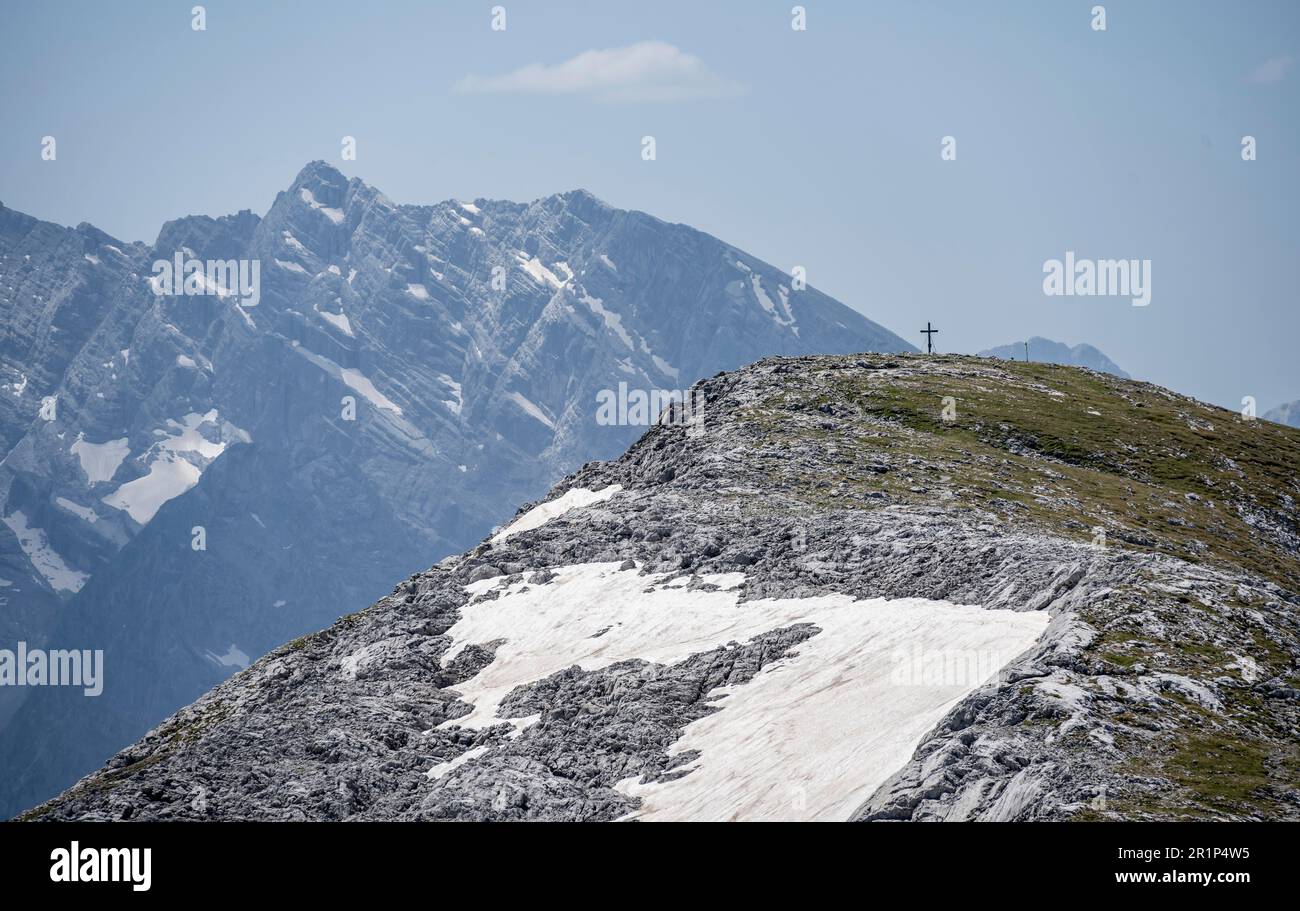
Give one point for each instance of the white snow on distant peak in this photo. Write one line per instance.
(564, 268)
(248, 320)
(333, 270)
(43, 557)
(175, 462)
(417, 291)
(352, 273)
(742, 267)
(358, 381)
(100, 460)
(20, 386)
(339, 321)
(183, 360)
(530, 409)
(766, 302)
(538, 271)
(292, 242)
(662, 365)
(77, 509)
(458, 402)
(784, 292)
(612, 320)
(334, 215)
(167, 479)
(665, 367)
(608, 262)
(234, 657)
(809, 737)
(291, 266)
(469, 207)
(92, 259)
(573, 498)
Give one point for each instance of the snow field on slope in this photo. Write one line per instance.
(809, 737)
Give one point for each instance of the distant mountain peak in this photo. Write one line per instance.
(1287, 413)
(432, 365)
(1049, 351)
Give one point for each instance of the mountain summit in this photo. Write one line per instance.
(193, 476)
(865, 587)
(1051, 352)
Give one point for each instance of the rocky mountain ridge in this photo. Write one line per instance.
(1128, 554)
(218, 474)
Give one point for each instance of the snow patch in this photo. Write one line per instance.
(100, 461)
(454, 405)
(339, 321)
(664, 367)
(358, 381)
(175, 464)
(77, 509)
(809, 737)
(334, 215)
(613, 321)
(234, 657)
(292, 242)
(535, 268)
(43, 557)
(443, 768)
(530, 409)
(574, 498)
(765, 302)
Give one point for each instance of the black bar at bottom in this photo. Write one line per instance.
(298, 860)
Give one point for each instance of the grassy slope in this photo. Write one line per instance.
(1073, 451)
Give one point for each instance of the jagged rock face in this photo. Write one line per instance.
(1140, 546)
(470, 342)
(1051, 352)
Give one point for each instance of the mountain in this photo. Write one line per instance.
(192, 479)
(1047, 351)
(1073, 598)
(1288, 414)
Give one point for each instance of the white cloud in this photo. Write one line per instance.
(1272, 71)
(645, 71)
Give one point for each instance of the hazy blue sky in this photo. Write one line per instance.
(818, 148)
